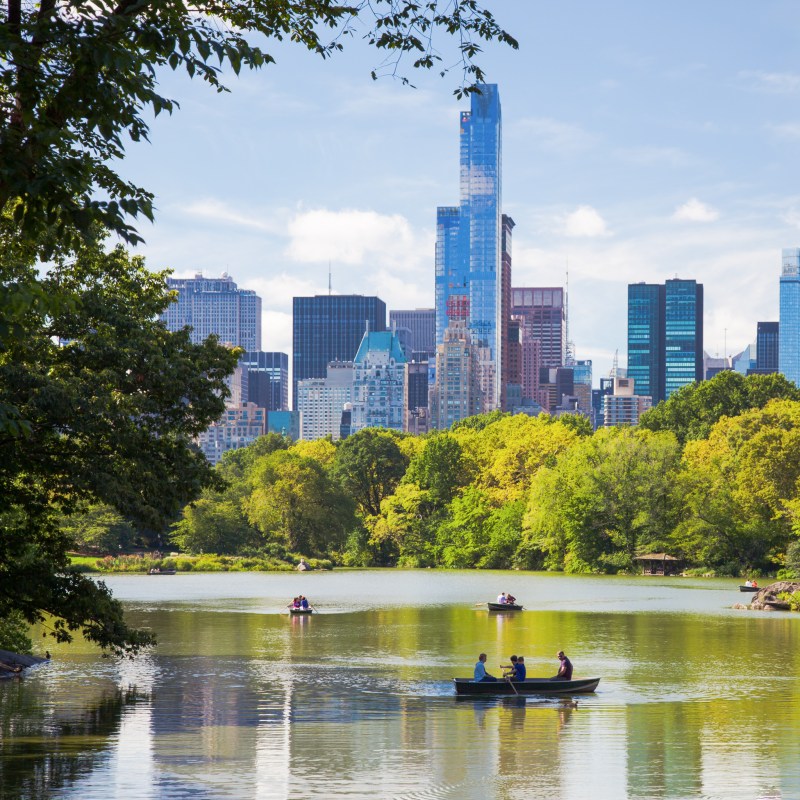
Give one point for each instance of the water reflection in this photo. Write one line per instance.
(272, 707)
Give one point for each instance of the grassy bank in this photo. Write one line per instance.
(144, 562)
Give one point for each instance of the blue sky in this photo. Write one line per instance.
(640, 141)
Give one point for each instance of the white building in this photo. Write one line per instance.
(624, 406)
(379, 379)
(321, 401)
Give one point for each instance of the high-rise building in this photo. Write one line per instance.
(767, 347)
(379, 379)
(665, 336)
(421, 324)
(284, 423)
(416, 398)
(789, 344)
(623, 406)
(456, 391)
(646, 338)
(329, 328)
(267, 379)
(320, 401)
(469, 239)
(215, 306)
(239, 426)
(543, 312)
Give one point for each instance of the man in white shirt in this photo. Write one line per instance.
(501, 598)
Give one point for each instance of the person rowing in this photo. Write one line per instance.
(515, 671)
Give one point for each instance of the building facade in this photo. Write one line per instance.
(379, 379)
(789, 317)
(455, 393)
(421, 325)
(469, 238)
(239, 426)
(767, 347)
(215, 306)
(267, 379)
(543, 313)
(646, 338)
(284, 423)
(320, 401)
(415, 405)
(329, 328)
(623, 406)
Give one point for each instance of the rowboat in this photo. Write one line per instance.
(528, 686)
(749, 588)
(157, 571)
(504, 607)
(301, 610)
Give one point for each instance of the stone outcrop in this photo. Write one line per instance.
(769, 594)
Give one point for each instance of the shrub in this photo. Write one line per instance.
(14, 634)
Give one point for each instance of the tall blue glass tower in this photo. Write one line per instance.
(646, 339)
(789, 343)
(469, 236)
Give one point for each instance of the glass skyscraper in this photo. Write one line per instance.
(267, 379)
(789, 343)
(665, 336)
(469, 236)
(767, 347)
(329, 328)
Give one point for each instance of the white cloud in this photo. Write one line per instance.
(553, 135)
(772, 82)
(277, 291)
(786, 130)
(220, 212)
(585, 221)
(348, 236)
(694, 210)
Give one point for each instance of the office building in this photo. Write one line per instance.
(415, 403)
(320, 401)
(215, 306)
(267, 379)
(284, 423)
(789, 317)
(456, 392)
(239, 426)
(623, 406)
(665, 336)
(379, 379)
(469, 241)
(598, 395)
(543, 313)
(767, 347)
(421, 326)
(329, 328)
(555, 383)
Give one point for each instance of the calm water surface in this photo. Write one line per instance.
(239, 700)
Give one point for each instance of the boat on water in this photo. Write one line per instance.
(301, 610)
(504, 607)
(749, 588)
(157, 571)
(528, 686)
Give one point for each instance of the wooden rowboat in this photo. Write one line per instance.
(528, 686)
(301, 610)
(504, 607)
(749, 588)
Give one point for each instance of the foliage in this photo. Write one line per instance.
(369, 465)
(110, 399)
(693, 410)
(75, 82)
(439, 469)
(98, 527)
(14, 634)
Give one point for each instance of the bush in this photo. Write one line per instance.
(14, 634)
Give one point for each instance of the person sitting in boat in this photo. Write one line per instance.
(502, 599)
(754, 584)
(748, 583)
(295, 603)
(565, 669)
(510, 670)
(510, 599)
(521, 671)
(481, 674)
(303, 602)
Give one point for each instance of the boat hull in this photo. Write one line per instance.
(749, 588)
(504, 607)
(301, 611)
(466, 686)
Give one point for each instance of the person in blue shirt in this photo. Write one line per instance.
(480, 670)
(520, 672)
(303, 602)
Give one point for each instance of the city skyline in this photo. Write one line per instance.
(637, 147)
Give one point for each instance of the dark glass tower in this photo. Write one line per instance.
(330, 328)
(267, 379)
(469, 236)
(767, 346)
(646, 339)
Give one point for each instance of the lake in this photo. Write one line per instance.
(239, 700)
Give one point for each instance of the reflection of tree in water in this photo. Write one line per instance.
(43, 751)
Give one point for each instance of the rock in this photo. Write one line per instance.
(769, 594)
(303, 566)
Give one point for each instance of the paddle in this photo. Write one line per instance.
(512, 686)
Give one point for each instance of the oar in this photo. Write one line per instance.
(512, 686)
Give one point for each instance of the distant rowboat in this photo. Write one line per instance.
(504, 607)
(528, 686)
(749, 588)
(301, 610)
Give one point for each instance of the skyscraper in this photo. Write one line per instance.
(543, 313)
(683, 334)
(469, 239)
(665, 336)
(215, 306)
(789, 344)
(379, 378)
(267, 379)
(329, 328)
(320, 401)
(646, 339)
(421, 324)
(767, 347)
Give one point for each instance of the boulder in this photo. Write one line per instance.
(764, 599)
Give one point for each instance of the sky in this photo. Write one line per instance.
(641, 141)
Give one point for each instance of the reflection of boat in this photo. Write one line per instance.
(157, 571)
(504, 607)
(301, 610)
(528, 686)
(777, 605)
(748, 588)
